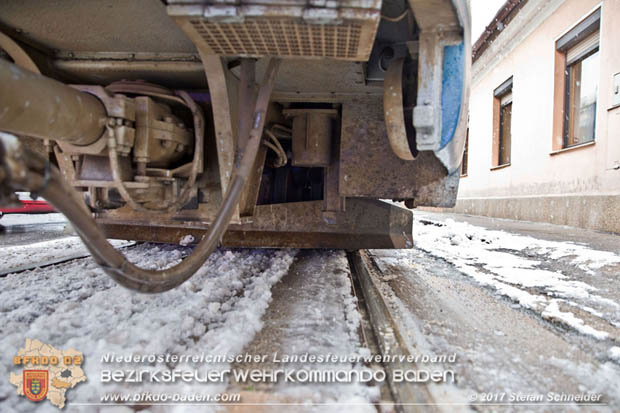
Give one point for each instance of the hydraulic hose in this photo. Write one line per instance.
(179, 96)
(25, 170)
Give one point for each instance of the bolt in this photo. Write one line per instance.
(166, 144)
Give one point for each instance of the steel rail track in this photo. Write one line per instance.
(53, 261)
(384, 334)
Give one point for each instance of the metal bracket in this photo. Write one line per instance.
(394, 111)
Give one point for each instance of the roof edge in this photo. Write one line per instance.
(502, 18)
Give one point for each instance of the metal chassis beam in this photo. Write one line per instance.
(366, 223)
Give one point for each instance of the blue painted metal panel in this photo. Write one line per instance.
(452, 84)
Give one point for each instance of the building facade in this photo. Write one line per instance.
(544, 126)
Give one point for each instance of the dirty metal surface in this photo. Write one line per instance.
(370, 168)
(163, 70)
(43, 108)
(431, 14)
(94, 25)
(251, 29)
(394, 111)
(17, 53)
(365, 224)
(298, 78)
(312, 136)
(224, 95)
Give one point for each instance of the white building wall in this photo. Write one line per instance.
(525, 50)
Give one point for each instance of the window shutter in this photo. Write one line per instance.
(582, 48)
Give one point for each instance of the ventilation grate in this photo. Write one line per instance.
(281, 37)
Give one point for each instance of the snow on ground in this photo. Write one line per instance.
(601, 379)
(520, 268)
(614, 354)
(557, 331)
(552, 312)
(325, 320)
(313, 314)
(45, 251)
(76, 305)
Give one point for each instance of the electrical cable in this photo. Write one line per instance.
(397, 18)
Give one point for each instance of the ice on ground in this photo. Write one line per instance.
(45, 251)
(518, 267)
(76, 305)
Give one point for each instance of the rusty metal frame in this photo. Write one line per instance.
(366, 224)
(333, 202)
(394, 110)
(365, 156)
(223, 88)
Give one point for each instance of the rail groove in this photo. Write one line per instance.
(408, 398)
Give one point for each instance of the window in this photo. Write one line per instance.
(505, 115)
(502, 124)
(576, 84)
(465, 155)
(580, 94)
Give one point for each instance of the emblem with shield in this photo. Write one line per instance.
(35, 384)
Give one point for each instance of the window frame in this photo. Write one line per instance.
(502, 138)
(465, 159)
(567, 99)
(499, 94)
(570, 39)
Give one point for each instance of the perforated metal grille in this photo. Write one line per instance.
(281, 37)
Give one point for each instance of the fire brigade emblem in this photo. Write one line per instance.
(35, 384)
(47, 372)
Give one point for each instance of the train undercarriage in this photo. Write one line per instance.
(278, 123)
